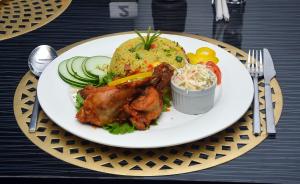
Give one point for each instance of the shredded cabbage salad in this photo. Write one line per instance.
(194, 77)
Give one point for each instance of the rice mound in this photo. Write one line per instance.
(131, 57)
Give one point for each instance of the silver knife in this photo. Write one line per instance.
(269, 73)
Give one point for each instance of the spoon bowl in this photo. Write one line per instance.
(38, 59)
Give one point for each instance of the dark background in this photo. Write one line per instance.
(274, 24)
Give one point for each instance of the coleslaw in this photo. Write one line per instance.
(194, 77)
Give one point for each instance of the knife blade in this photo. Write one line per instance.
(269, 73)
(269, 70)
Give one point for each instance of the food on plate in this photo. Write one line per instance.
(130, 90)
(103, 105)
(193, 89)
(205, 52)
(138, 101)
(216, 70)
(145, 108)
(194, 77)
(203, 55)
(80, 71)
(142, 54)
(117, 128)
(130, 78)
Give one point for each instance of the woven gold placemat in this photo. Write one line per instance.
(214, 150)
(18, 17)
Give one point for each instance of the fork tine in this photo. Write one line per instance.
(256, 61)
(252, 61)
(248, 61)
(260, 63)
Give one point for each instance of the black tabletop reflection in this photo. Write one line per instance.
(274, 24)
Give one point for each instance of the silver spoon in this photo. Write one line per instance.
(38, 59)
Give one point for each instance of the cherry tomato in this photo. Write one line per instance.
(211, 65)
(205, 52)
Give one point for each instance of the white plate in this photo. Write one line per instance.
(173, 127)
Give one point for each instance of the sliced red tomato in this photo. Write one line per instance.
(211, 65)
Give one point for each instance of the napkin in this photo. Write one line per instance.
(222, 11)
(219, 10)
(225, 11)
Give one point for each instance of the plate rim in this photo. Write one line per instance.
(204, 39)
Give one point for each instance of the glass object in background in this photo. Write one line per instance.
(169, 15)
(231, 32)
(236, 1)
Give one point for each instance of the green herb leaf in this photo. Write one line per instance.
(133, 49)
(119, 128)
(137, 56)
(106, 79)
(166, 100)
(148, 34)
(149, 39)
(155, 122)
(142, 38)
(79, 101)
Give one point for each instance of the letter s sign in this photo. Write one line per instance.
(121, 10)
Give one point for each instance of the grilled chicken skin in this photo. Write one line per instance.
(139, 101)
(144, 109)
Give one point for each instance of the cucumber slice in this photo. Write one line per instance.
(69, 65)
(97, 66)
(67, 77)
(86, 73)
(78, 71)
(71, 83)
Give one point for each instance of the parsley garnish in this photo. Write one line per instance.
(106, 79)
(149, 39)
(155, 122)
(133, 49)
(119, 128)
(79, 101)
(166, 101)
(137, 56)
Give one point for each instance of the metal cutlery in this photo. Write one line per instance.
(254, 66)
(38, 59)
(269, 73)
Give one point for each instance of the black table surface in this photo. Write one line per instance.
(273, 24)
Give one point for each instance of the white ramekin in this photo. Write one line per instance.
(192, 101)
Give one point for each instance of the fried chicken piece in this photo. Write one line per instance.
(104, 105)
(162, 76)
(144, 109)
(87, 90)
(140, 101)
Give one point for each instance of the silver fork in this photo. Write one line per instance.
(254, 65)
